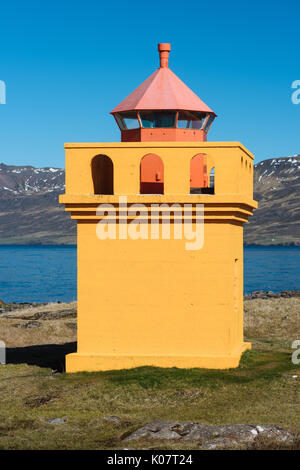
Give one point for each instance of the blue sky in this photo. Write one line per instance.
(66, 64)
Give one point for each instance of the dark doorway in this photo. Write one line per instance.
(103, 174)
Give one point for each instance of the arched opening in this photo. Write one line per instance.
(103, 174)
(151, 175)
(199, 179)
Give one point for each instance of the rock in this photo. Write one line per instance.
(210, 437)
(275, 433)
(159, 430)
(112, 419)
(33, 324)
(219, 443)
(30, 324)
(56, 420)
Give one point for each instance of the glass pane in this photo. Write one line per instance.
(120, 121)
(146, 118)
(164, 119)
(212, 178)
(191, 120)
(158, 119)
(209, 122)
(129, 120)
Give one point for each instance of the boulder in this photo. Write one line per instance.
(210, 436)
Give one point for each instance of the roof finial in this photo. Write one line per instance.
(164, 49)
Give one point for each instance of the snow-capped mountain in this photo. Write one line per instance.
(283, 169)
(29, 209)
(28, 180)
(277, 190)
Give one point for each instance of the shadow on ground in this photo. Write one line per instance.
(46, 355)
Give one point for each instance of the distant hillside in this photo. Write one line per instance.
(29, 209)
(277, 190)
(30, 213)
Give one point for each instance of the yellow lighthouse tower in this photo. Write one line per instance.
(160, 235)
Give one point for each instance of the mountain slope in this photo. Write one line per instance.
(277, 190)
(29, 209)
(30, 213)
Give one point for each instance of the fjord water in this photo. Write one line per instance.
(30, 273)
(48, 273)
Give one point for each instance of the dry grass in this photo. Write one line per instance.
(52, 330)
(273, 318)
(261, 391)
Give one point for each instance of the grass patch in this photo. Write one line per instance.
(254, 365)
(262, 390)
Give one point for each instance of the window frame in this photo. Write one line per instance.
(189, 121)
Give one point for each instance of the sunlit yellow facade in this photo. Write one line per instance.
(151, 301)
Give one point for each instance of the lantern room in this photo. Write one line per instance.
(163, 109)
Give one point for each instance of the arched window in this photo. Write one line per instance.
(102, 174)
(152, 175)
(199, 180)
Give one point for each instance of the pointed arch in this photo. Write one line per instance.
(151, 174)
(102, 174)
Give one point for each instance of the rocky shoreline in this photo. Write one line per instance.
(12, 306)
(259, 294)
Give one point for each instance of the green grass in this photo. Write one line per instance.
(260, 391)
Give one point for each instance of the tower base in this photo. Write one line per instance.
(88, 362)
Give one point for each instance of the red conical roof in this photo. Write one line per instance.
(163, 90)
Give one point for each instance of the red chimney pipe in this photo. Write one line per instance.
(164, 49)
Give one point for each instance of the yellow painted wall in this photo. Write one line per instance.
(228, 159)
(152, 302)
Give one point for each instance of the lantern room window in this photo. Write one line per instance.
(128, 120)
(191, 120)
(163, 119)
(156, 119)
(209, 123)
